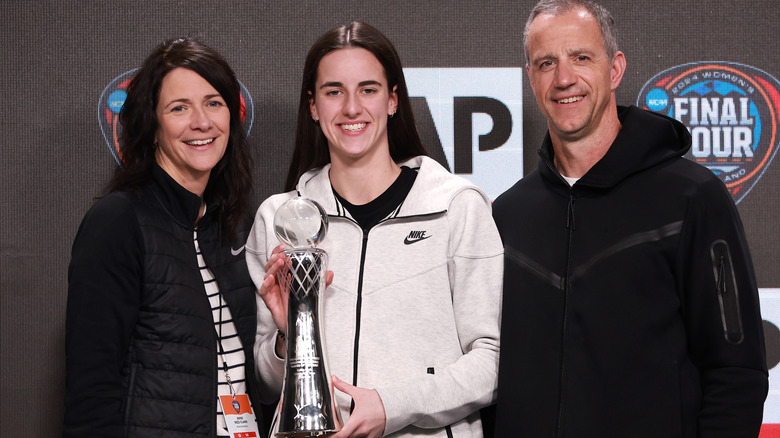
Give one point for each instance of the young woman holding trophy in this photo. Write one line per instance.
(411, 318)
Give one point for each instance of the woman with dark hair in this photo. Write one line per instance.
(311, 145)
(411, 318)
(161, 312)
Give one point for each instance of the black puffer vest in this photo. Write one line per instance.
(171, 369)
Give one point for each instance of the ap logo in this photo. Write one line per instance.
(471, 120)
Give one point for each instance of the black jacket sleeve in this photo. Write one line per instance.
(721, 311)
(104, 284)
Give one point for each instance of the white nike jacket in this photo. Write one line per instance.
(422, 326)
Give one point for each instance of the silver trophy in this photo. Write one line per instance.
(307, 407)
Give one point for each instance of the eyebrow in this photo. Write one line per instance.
(580, 51)
(185, 100)
(570, 52)
(360, 84)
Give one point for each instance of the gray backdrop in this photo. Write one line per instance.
(58, 57)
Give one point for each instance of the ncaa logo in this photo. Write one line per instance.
(113, 98)
(470, 120)
(111, 101)
(731, 111)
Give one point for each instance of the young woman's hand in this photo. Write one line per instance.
(275, 297)
(271, 292)
(368, 419)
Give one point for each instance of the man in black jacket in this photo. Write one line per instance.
(630, 302)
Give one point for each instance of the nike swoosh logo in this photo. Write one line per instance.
(236, 252)
(409, 242)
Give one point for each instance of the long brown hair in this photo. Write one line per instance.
(311, 146)
(230, 182)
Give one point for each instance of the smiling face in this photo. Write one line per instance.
(571, 75)
(193, 128)
(351, 101)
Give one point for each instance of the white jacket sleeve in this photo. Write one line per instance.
(476, 273)
(260, 243)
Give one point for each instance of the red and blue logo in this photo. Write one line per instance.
(113, 98)
(732, 111)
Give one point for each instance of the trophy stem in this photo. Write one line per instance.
(307, 407)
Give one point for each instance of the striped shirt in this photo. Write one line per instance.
(227, 342)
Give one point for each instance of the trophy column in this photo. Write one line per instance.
(307, 406)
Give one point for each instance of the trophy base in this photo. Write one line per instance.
(305, 433)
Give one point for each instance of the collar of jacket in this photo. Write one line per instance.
(645, 139)
(182, 205)
(431, 193)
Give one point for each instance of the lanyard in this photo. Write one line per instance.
(222, 350)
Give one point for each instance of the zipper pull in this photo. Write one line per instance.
(570, 213)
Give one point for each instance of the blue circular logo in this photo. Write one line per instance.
(116, 100)
(657, 99)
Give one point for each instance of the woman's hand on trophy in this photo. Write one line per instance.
(275, 298)
(271, 291)
(368, 419)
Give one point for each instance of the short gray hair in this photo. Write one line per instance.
(557, 7)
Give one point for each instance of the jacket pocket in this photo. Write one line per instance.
(728, 294)
(447, 429)
(129, 397)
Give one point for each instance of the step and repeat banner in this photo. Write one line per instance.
(715, 67)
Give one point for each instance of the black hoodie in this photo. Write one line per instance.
(630, 302)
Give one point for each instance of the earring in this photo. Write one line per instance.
(317, 121)
(154, 146)
(393, 113)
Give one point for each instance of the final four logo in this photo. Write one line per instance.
(113, 98)
(731, 111)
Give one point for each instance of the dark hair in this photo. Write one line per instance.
(230, 182)
(311, 146)
(557, 7)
